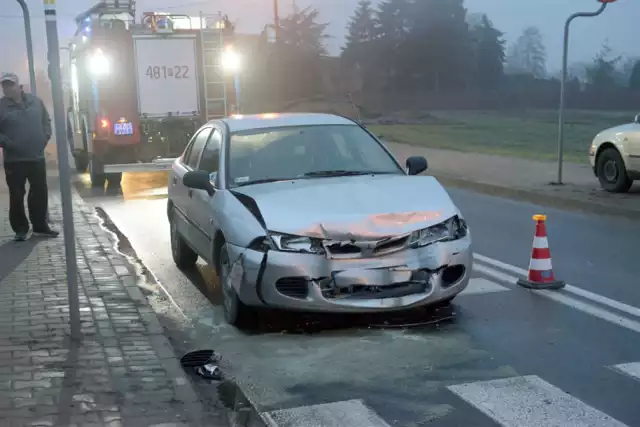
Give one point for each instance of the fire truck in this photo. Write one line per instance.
(139, 90)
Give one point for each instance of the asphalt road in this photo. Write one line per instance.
(509, 357)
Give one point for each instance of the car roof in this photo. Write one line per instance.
(238, 123)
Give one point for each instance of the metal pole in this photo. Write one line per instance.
(563, 82)
(63, 166)
(276, 21)
(27, 33)
(236, 84)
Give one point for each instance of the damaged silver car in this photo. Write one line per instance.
(311, 212)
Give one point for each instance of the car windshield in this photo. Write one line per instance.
(301, 152)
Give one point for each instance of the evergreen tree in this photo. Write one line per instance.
(602, 73)
(301, 31)
(634, 79)
(441, 43)
(361, 31)
(489, 53)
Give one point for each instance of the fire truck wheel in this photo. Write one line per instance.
(82, 161)
(114, 179)
(96, 173)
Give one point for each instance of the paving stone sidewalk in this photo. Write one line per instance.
(524, 179)
(122, 373)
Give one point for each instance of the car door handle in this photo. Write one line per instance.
(190, 193)
(175, 180)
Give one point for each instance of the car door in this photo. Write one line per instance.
(632, 146)
(181, 196)
(200, 209)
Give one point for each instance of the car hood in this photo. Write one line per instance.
(610, 133)
(349, 208)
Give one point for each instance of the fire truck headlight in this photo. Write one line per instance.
(231, 61)
(99, 64)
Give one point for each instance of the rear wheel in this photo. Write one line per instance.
(96, 173)
(612, 172)
(236, 312)
(114, 179)
(183, 256)
(82, 161)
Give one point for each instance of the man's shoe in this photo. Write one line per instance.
(21, 237)
(46, 233)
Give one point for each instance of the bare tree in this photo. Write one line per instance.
(528, 54)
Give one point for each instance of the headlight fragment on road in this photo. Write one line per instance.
(452, 229)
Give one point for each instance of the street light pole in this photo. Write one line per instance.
(563, 80)
(53, 46)
(27, 33)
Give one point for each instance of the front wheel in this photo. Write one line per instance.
(235, 311)
(183, 256)
(612, 173)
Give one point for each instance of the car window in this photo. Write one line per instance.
(193, 155)
(210, 160)
(301, 151)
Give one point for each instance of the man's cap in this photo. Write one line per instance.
(10, 77)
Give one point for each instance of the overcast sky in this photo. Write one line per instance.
(618, 24)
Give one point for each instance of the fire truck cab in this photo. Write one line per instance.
(140, 90)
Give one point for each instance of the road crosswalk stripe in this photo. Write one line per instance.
(351, 413)
(630, 369)
(529, 401)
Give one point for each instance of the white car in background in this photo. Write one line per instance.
(311, 212)
(615, 156)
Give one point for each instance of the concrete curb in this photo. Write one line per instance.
(537, 197)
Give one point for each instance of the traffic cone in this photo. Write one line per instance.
(540, 269)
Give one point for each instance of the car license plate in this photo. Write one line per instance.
(123, 128)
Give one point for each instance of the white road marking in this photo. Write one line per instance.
(479, 286)
(617, 305)
(630, 369)
(530, 401)
(567, 300)
(351, 413)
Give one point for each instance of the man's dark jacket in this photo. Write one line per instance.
(25, 129)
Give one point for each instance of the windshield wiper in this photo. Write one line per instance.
(341, 173)
(262, 181)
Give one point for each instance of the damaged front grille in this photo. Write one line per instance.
(396, 290)
(418, 282)
(365, 249)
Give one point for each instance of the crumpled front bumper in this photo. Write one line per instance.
(307, 282)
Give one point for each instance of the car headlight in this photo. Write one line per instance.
(452, 229)
(300, 244)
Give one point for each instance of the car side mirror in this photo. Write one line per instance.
(416, 165)
(637, 119)
(198, 180)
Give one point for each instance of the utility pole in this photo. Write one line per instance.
(53, 45)
(276, 21)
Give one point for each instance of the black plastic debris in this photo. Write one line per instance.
(203, 363)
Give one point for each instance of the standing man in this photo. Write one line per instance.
(25, 130)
